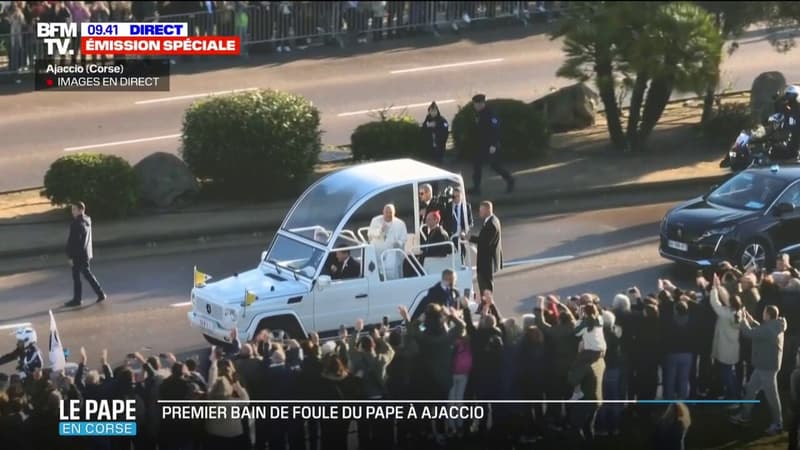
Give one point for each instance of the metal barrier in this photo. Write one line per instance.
(300, 23)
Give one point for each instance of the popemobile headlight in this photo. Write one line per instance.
(230, 314)
(715, 232)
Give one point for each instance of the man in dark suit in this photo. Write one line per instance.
(345, 267)
(490, 247)
(427, 202)
(457, 219)
(79, 252)
(443, 293)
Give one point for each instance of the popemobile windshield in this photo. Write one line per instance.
(298, 288)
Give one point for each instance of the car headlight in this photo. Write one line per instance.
(732, 154)
(230, 314)
(716, 232)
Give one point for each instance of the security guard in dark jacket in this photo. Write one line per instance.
(488, 145)
(79, 252)
(436, 131)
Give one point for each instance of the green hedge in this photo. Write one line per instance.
(388, 138)
(726, 123)
(261, 144)
(524, 131)
(106, 183)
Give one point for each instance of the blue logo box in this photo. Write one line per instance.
(97, 428)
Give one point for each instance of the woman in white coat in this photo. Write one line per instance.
(725, 346)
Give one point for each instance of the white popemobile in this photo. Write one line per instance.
(293, 291)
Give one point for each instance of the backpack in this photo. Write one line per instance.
(462, 359)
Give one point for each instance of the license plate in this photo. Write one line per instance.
(678, 245)
(205, 324)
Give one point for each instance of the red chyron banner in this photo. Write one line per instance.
(161, 45)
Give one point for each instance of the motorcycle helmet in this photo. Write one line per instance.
(26, 336)
(791, 92)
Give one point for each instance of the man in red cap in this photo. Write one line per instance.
(433, 233)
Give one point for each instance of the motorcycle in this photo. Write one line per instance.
(760, 146)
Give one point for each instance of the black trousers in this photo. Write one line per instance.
(492, 161)
(81, 267)
(485, 281)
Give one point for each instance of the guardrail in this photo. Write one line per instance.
(287, 25)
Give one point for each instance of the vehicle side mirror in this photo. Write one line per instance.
(323, 281)
(784, 208)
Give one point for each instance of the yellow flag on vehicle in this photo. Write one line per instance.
(200, 278)
(249, 298)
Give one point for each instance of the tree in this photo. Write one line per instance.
(676, 48)
(782, 15)
(732, 19)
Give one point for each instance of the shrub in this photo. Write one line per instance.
(106, 183)
(726, 123)
(392, 137)
(524, 132)
(261, 144)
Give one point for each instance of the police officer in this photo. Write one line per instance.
(488, 145)
(436, 131)
(27, 353)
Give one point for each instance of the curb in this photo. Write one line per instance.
(516, 199)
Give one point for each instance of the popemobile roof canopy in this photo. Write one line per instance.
(330, 201)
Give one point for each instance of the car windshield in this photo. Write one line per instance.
(752, 191)
(294, 256)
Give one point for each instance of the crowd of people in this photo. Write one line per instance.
(281, 25)
(724, 338)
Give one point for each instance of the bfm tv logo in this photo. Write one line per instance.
(57, 37)
(97, 418)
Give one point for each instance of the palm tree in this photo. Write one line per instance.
(675, 47)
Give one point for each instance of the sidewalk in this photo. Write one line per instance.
(578, 166)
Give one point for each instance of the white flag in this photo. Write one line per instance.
(57, 360)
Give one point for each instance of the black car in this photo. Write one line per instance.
(747, 221)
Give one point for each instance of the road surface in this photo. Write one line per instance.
(603, 251)
(38, 127)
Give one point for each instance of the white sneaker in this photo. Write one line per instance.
(466, 18)
(577, 395)
(287, 49)
(279, 49)
(454, 26)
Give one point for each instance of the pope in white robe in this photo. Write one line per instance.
(387, 232)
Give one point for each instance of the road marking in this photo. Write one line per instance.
(186, 97)
(131, 141)
(14, 325)
(394, 108)
(533, 261)
(447, 66)
(523, 262)
(181, 304)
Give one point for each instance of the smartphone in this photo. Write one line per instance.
(468, 293)
(386, 321)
